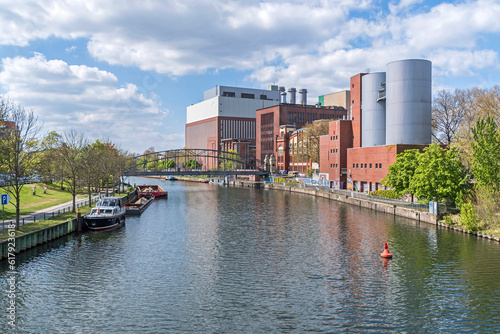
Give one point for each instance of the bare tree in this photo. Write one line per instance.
(447, 116)
(70, 150)
(19, 148)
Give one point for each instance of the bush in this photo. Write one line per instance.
(386, 194)
(448, 220)
(468, 217)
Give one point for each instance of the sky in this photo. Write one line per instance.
(126, 70)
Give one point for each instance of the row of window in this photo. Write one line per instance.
(334, 165)
(334, 150)
(334, 137)
(377, 166)
(244, 95)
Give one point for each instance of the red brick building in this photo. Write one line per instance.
(361, 166)
(269, 120)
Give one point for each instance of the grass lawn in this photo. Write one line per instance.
(30, 227)
(31, 203)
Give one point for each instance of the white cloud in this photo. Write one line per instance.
(316, 44)
(86, 99)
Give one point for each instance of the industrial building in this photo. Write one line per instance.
(276, 124)
(390, 112)
(225, 119)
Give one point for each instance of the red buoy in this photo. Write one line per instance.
(386, 253)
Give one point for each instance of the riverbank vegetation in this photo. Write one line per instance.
(467, 172)
(69, 160)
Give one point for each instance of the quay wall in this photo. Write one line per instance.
(44, 235)
(382, 207)
(35, 238)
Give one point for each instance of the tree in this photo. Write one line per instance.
(170, 164)
(310, 139)
(447, 116)
(401, 171)
(486, 153)
(71, 159)
(47, 165)
(439, 176)
(19, 148)
(193, 164)
(230, 160)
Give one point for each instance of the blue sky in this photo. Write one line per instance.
(127, 70)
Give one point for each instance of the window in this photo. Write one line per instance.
(365, 166)
(357, 166)
(361, 165)
(352, 101)
(331, 165)
(228, 94)
(379, 165)
(263, 97)
(370, 166)
(353, 165)
(247, 96)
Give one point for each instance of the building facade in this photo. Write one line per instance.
(390, 113)
(269, 121)
(225, 119)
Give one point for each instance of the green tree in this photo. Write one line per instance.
(170, 164)
(401, 171)
(19, 148)
(193, 164)
(47, 164)
(440, 175)
(486, 153)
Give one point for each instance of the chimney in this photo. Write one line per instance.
(283, 97)
(292, 92)
(303, 96)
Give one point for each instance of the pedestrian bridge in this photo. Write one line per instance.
(195, 162)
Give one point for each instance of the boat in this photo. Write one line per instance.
(107, 214)
(153, 189)
(138, 204)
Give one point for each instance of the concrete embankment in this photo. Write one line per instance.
(39, 237)
(35, 238)
(378, 206)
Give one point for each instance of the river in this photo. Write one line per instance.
(213, 259)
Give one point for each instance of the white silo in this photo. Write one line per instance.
(408, 102)
(373, 97)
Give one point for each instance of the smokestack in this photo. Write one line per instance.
(292, 92)
(303, 96)
(283, 97)
(282, 90)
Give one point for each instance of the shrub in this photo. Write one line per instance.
(448, 220)
(468, 217)
(386, 194)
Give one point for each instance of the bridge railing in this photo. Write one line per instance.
(193, 160)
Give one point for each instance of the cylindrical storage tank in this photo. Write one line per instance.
(292, 92)
(408, 102)
(373, 121)
(303, 96)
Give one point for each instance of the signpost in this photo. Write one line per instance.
(5, 201)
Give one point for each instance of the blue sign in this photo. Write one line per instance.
(5, 199)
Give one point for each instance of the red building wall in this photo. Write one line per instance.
(368, 166)
(333, 156)
(270, 119)
(356, 112)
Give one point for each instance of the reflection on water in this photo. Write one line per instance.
(225, 260)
